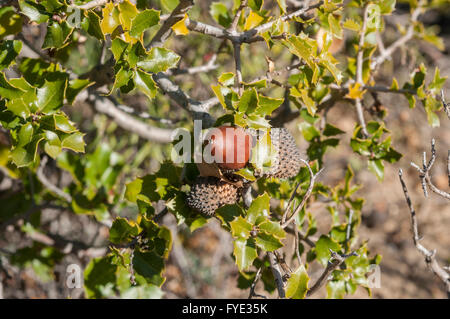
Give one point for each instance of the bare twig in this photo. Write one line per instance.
(387, 53)
(285, 222)
(237, 61)
(238, 15)
(166, 29)
(124, 120)
(359, 72)
(430, 256)
(253, 286)
(424, 173)
(276, 271)
(91, 4)
(49, 185)
(445, 104)
(335, 261)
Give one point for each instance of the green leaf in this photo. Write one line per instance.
(144, 20)
(25, 135)
(377, 167)
(248, 102)
(110, 21)
(128, 12)
(9, 50)
(240, 228)
(10, 22)
(76, 86)
(150, 266)
(91, 23)
(244, 252)
(57, 34)
(267, 242)
(122, 231)
(63, 124)
(51, 95)
(331, 130)
(273, 228)
(145, 83)
(219, 12)
(123, 76)
(226, 79)
(322, 249)
(259, 210)
(74, 142)
(52, 145)
(267, 105)
(159, 60)
(99, 276)
(35, 12)
(297, 284)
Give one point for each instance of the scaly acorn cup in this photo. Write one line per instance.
(209, 193)
(287, 162)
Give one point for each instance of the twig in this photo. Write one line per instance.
(237, 61)
(335, 261)
(284, 222)
(124, 120)
(49, 185)
(91, 4)
(166, 29)
(430, 256)
(387, 53)
(196, 69)
(359, 72)
(276, 271)
(424, 173)
(253, 286)
(445, 104)
(236, 18)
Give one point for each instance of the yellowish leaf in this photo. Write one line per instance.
(253, 20)
(355, 92)
(180, 27)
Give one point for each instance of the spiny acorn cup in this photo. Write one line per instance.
(209, 193)
(287, 162)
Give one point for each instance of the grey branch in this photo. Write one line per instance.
(166, 29)
(49, 185)
(424, 173)
(430, 256)
(276, 271)
(334, 263)
(387, 53)
(91, 4)
(107, 106)
(359, 73)
(313, 177)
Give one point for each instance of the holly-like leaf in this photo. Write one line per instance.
(253, 20)
(110, 20)
(50, 96)
(259, 210)
(74, 142)
(57, 34)
(122, 231)
(267, 242)
(159, 60)
(297, 284)
(145, 83)
(35, 12)
(219, 12)
(10, 22)
(244, 252)
(180, 28)
(240, 228)
(150, 266)
(9, 50)
(144, 20)
(128, 12)
(322, 249)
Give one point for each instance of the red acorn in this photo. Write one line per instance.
(230, 146)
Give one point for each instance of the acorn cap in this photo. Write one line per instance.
(287, 163)
(209, 193)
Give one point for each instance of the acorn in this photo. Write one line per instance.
(209, 193)
(287, 161)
